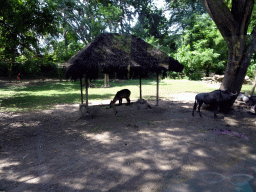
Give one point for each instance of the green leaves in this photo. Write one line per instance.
(203, 48)
(22, 22)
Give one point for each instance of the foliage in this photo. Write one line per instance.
(182, 13)
(21, 22)
(173, 75)
(202, 48)
(88, 19)
(151, 22)
(30, 69)
(251, 71)
(167, 44)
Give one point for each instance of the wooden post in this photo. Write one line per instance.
(86, 91)
(81, 85)
(157, 87)
(140, 88)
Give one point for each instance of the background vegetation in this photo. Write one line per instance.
(54, 30)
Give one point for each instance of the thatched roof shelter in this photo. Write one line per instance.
(110, 51)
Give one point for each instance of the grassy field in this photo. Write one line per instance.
(45, 95)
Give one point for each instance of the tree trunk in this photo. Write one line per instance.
(233, 25)
(238, 62)
(10, 71)
(207, 72)
(106, 80)
(10, 65)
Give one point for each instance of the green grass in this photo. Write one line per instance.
(48, 94)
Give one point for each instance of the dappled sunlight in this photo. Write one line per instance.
(104, 137)
(141, 165)
(29, 179)
(186, 106)
(185, 97)
(146, 133)
(131, 164)
(110, 153)
(6, 164)
(164, 164)
(231, 121)
(183, 150)
(150, 176)
(74, 183)
(194, 167)
(118, 164)
(200, 152)
(174, 129)
(25, 124)
(243, 151)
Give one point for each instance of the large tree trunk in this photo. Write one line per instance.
(233, 25)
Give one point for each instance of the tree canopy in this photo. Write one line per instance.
(56, 29)
(23, 22)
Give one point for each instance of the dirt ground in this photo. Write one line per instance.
(142, 149)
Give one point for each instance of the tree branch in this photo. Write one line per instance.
(221, 15)
(252, 46)
(245, 10)
(230, 23)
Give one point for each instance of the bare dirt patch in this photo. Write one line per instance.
(136, 150)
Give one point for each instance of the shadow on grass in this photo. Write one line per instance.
(25, 102)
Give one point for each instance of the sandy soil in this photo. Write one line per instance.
(136, 150)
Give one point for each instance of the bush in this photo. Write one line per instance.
(173, 75)
(3, 70)
(30, 69)
(251, 71)
(49, 69)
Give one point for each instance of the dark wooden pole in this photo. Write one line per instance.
(140, 88)
(157, 87)
(86, 91)
(81, 85)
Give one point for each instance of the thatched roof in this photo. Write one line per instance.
(110, 50)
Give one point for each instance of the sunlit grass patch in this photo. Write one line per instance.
(47, 95)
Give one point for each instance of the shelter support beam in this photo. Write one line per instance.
(86, 110)
(81, 85)
(157, 87)
(140, 88)
(86, 91)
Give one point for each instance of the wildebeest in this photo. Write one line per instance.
(124, 93)
(252, 102)
(213, 98)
